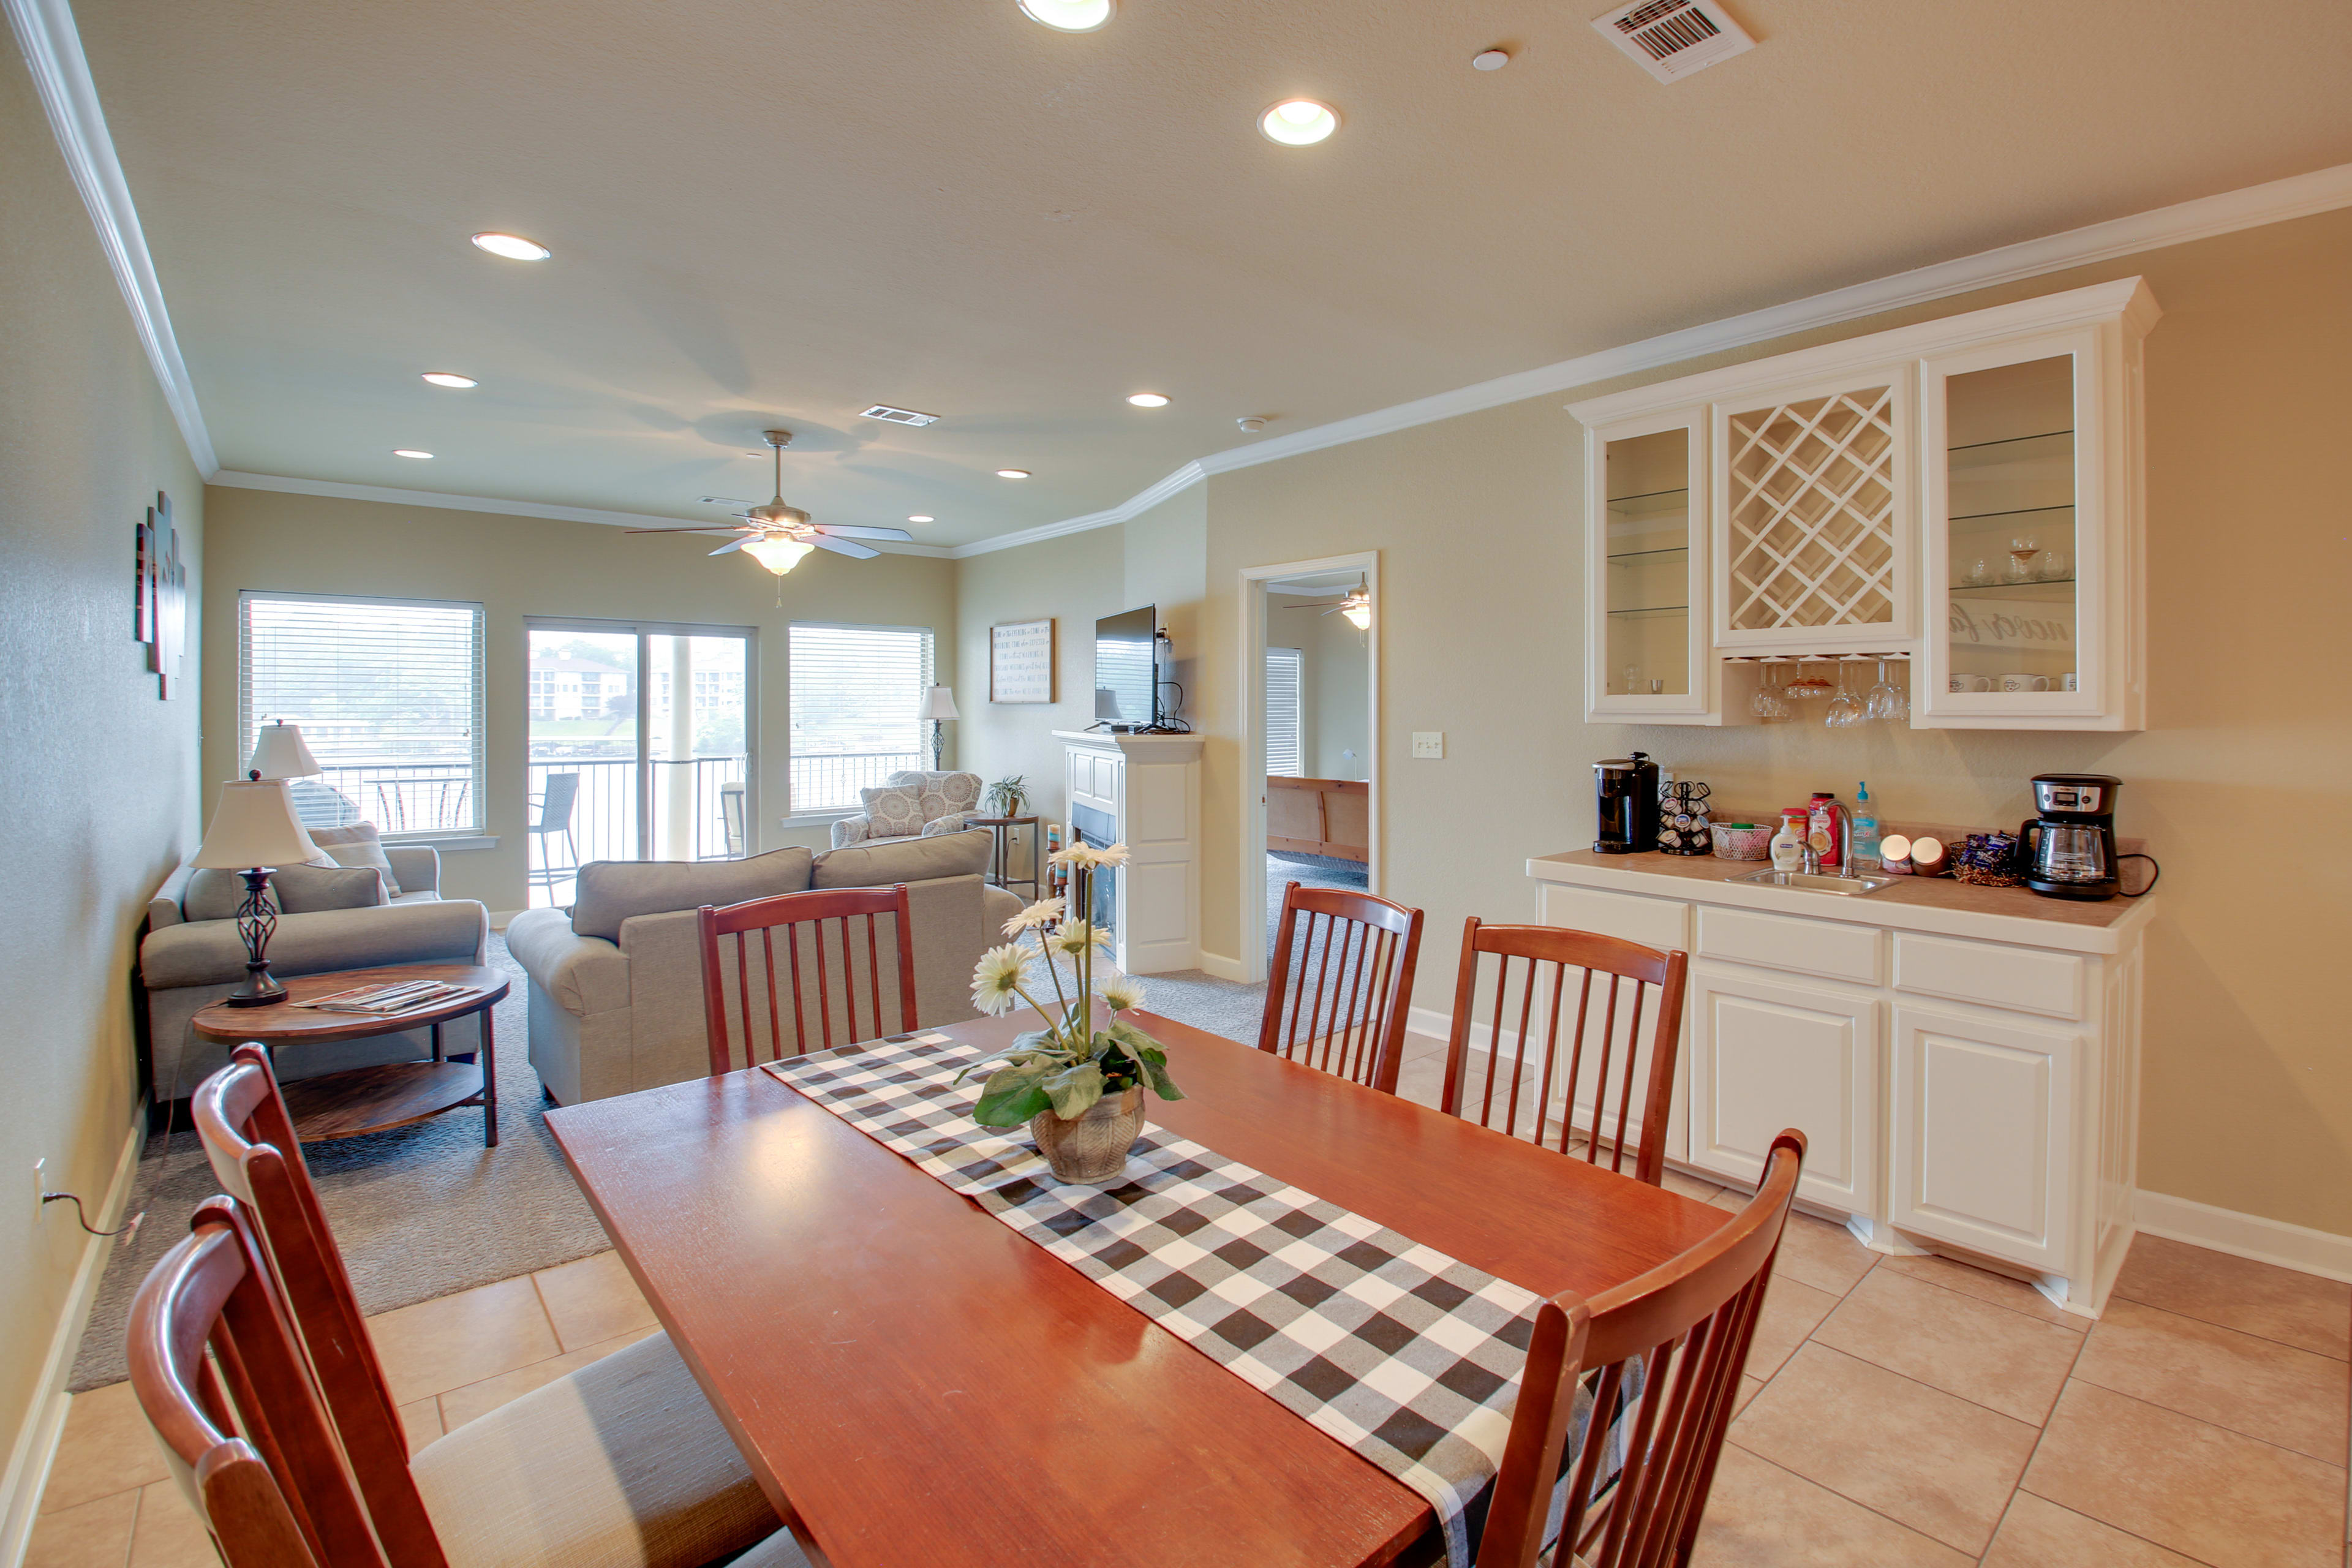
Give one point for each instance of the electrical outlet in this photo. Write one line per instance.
(1429, 742)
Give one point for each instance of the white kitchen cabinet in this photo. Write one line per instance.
(1770, 1054)
(1981, 1152)
(1964, 494)
(1967, 1081)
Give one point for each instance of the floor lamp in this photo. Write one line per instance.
(939, 704)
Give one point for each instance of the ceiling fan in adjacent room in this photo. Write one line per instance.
(777, 536)
(1356, 605)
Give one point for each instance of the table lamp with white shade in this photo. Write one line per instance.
(279, 753)
(939, 703)
(254, 829)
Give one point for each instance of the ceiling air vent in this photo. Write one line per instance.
(900, 415)
(1672, 38)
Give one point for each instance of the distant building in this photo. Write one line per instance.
(563, 686)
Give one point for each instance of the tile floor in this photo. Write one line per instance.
(1897, 1411)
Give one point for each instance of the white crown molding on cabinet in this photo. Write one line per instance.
(44, 31)
(2278, 201)
(341, 491)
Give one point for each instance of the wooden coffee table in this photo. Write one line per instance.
(392, 1094)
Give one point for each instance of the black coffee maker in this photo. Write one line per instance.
(2069, 851)
(1625, 803)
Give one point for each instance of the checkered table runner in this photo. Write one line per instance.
(1407, 1356)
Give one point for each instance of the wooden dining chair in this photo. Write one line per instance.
(1525, 1080)
(1688, 1323)
(823, 943)
(1342, 982)
(621, 1462)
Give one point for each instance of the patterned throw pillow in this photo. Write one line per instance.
(893, 811)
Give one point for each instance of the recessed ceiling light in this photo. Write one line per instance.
(1068, 15)
(1298, 122)
(411, 452)
(922, 517)
(1490, 61)
(1149, 399)
(450, 378)
(513, 247)
(1012, 473)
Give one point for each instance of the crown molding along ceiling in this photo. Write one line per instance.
(45, 32)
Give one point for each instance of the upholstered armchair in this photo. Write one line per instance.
(911, 804)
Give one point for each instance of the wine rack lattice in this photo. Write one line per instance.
(1813, 512)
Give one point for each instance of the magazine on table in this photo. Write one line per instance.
(386, 1001)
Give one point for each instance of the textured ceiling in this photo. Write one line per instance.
(779, 211)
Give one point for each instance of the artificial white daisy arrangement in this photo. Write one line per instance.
(1069, 1065)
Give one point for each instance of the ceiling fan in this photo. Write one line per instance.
(1356, 605)
(777, 536)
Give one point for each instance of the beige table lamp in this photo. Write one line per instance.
(255, 828)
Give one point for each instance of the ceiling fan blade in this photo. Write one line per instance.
(733, 544)
(845, 547)
(702, 528)
(840, 531)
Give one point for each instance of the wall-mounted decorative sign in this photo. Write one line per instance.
(1021, 662)
(160, 605)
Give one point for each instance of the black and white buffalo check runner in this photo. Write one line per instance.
(1407, 1356)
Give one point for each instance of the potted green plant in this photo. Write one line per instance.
(1079, 1087)
(1008, 797)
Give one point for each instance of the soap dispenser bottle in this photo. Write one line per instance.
(1863, 853)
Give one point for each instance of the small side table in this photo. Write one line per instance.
(1001, 853)
(391, 1094)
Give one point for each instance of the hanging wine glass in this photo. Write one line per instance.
(1884, 700)
(1844, 710)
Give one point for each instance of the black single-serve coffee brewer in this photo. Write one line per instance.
(1625, 804)
(2069, 851)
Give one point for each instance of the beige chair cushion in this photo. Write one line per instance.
(609, 892)
(902, 860)
(358, 844)
(622, 1464)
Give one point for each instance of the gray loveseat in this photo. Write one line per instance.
(191, 957)
(616, 980)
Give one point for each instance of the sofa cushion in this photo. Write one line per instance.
(213, 894)
(310, 890)
(358, 844)
(903, 861)
(609, 892)
(893, 811)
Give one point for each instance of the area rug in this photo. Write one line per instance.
(427, 1211)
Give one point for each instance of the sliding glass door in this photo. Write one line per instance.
(640, 746)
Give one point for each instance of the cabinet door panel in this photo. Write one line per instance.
(1647, 654)
(1984, 1133)
(1765, 1056)
(1826, 948)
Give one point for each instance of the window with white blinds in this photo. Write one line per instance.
(1284, 723)
(854, 693)
(388, 693)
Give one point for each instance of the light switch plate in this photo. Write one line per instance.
(1429, 742)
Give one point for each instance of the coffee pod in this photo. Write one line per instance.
(1895, 855)
(1927, 857)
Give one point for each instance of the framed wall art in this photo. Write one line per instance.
(1021, 661)
(159, 617)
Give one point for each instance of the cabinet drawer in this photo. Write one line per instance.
(2026, 979)
(1661, 923)
(1825, 948)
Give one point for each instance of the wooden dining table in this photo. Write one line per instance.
(914, 1383)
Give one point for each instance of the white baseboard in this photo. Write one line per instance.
(1218, 965)
(2295, 1246)
(1438, 1026)
(35, 1447)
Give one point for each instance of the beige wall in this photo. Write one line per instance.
(98, 776)
(519, 567)
(1335, 661)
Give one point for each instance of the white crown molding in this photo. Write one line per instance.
(1134, 506)
(341, 491)
(44, 31)
(2278, 201)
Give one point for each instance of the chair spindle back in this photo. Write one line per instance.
(1340, 984)
(833, 949)
(1524, 1079)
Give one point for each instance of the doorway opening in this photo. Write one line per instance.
(640, 746)
(1312, 720)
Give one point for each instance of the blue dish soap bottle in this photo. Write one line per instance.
(1863, 851)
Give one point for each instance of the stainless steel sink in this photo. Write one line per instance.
(1815, 881)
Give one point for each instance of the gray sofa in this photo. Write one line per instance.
(616, 980)
(186, 963)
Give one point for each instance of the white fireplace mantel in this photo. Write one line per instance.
(1149, 788)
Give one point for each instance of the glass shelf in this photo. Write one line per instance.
(1656, 503)
(2011, 441)
(2019, 590)
(2013, 511)
(1655, 610)
(1637, 554)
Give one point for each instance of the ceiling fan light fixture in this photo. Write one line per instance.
(777, 554)
(1358, 615)
(513, 247)
(1068, 15)
(1298, 122)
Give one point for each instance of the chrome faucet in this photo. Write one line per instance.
(1812, 865)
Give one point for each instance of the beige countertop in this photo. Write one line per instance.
(1940, 904)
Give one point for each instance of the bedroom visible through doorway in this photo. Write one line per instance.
(1316, 685)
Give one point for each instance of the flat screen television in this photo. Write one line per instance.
(1127, 674)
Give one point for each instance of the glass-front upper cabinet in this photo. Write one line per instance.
(2030, 446)
(1646, 574)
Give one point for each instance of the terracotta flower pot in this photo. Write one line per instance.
(1091, 1150)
